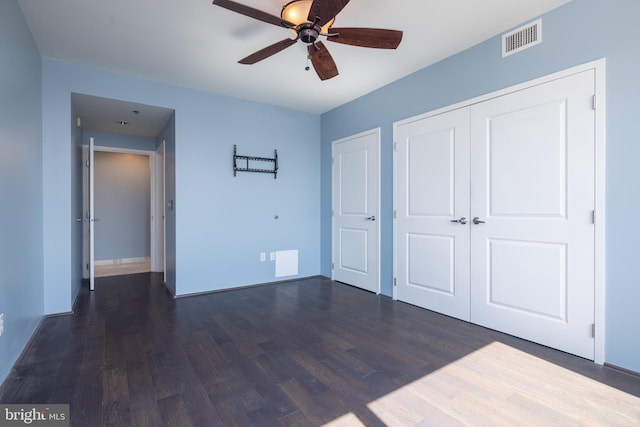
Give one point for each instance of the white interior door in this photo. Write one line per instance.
(432, 212)
(91, 215)
(532, 185)
(355, 201)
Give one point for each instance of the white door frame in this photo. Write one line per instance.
(86, 273)
(377, 132)
(158, 263)
(91, 214)
(599, 66)
(154, 243)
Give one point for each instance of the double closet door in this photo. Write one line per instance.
(494, 213)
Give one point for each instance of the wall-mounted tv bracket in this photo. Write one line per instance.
(247, 159)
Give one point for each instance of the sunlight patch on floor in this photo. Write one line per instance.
(347, 420)
(498, 385)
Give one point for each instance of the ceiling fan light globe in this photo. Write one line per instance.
(297, 12)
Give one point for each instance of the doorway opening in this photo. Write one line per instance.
(124, 177)
(125, 212)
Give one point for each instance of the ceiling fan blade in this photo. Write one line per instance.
(366, 37)
(325, 10)
(322, 61)
(253, 13)
(268, 51)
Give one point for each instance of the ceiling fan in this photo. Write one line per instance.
(309, 26)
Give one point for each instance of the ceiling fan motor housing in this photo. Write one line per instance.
(308, 32)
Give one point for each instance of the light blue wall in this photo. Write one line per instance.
(122, 200)
(21, 274)
(579, 32)
(222, 223)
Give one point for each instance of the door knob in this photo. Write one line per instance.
(371, 218)
(462, 220)
(477, 220)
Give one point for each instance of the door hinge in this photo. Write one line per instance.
(332, 214)
(332, 160)
(87, 266)
(395, 214)
(593, 330)
(395, 146)
(86, 163)
(593, 216)
(333, 266)
(395, 281)
(593, 103)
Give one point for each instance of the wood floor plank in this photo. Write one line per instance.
(143, 404)
(252, 386)
(173, 411)
(144, 413)
(318, 409)
(244, 342)
(86, 407)
(302, 353)
(297, 419)
(116, 414)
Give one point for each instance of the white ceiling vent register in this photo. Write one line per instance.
(522, 38)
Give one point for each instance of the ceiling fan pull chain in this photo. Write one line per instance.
(307, 67)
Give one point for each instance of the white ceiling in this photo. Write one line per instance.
(192, 43)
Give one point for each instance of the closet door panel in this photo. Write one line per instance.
(432, 190)
(532, 186)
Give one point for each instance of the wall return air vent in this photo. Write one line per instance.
(522, 38)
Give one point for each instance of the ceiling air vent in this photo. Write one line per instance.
(522, 38)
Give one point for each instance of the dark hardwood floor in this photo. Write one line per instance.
(304, 353)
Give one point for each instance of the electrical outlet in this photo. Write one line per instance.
(272, 256)
(263, 256)
(1, 324)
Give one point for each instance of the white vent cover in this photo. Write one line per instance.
(522, 38)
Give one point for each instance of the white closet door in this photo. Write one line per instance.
(532, 183)
(432, 191)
